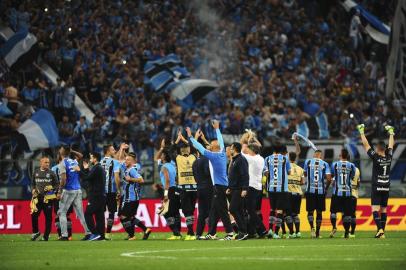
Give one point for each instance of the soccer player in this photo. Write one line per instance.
(168, 179)
(343, 173)
(250, 150)
(96, 204)
(70, 192)
(318, 179)
(186, 185)
(43, 187)
(131, 197)
(56, 170)
(354, 197)
(238, 178)
(382, 158)
(218, 160)
(277, 167)
(111, 167)
(296, 180)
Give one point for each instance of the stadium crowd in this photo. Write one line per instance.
(278, 63)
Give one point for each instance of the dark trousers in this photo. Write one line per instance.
(95, 212)
(188, 202)
(205, 197)
(219, 210)
(47, 209)
(237, 210)
(255, 223)
(173, 216)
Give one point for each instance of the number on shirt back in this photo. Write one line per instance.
(316, 175)
(275, 173)
(342, 177)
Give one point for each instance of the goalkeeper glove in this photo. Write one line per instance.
(390, 130)
(361, 128)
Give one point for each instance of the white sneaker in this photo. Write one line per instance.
(228, 237)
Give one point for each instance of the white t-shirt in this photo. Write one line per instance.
(255, 167)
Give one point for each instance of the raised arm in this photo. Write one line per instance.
(206, 142)
(216, 126)
(121, 153)
(361, 129)
(195, 143)
(158, 154)
(180, 137)
(77, 154)
(297, 147)
(391, 132)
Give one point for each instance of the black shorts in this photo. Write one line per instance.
(315, 202)
(111, 202)
(188, 201)
(295, 203)
(279, 200)
(128, 209)
(174, 202)
(336, 205)
(341, 204)
(353, 205)
(379, 198)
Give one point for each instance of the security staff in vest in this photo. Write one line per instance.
(187, 186)
(95, 178)
(44, 184)
(238, 186)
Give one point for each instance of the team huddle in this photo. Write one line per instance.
(228, 184)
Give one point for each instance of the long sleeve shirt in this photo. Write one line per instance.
(218, 160)
(201, 172)
(238, 175)
(95, 179)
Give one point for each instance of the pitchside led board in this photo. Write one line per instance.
(15, 216)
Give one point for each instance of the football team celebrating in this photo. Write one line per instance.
(228, 183)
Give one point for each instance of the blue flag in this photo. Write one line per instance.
(40, 131)
(18, 45)
(164, 74)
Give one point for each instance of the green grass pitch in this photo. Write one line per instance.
(363, 252)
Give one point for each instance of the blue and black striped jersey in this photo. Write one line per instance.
(343, 173)
(132, 190)
(315, 171)
(110, 166)
(278, 167)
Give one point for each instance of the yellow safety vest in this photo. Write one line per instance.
(185, 171)
(295, 177)
(354, 184)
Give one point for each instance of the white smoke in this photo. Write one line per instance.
(219, 47)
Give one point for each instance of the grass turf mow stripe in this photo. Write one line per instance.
(364, 253)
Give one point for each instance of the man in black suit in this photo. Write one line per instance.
(95, 179)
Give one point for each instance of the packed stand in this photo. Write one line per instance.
(278, 63)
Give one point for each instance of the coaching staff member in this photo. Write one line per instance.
(95, 179)
(218, 160)
(238, 183)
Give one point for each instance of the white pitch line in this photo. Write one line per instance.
(140, 254)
